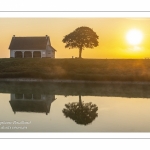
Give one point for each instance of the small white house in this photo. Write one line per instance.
(31, 47)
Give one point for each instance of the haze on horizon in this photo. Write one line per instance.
(111, 31)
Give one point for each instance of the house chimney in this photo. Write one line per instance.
(13, 36)
(46, 36)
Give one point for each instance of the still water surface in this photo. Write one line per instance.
(49, 107)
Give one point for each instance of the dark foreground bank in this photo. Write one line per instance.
(76, 69)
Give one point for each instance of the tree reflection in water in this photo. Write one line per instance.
(80, 112)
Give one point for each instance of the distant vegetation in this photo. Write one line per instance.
(76, 69)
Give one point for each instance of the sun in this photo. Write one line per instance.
(134, 36)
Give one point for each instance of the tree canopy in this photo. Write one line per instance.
(81, 38)
(82, 113)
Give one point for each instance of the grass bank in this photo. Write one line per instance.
(76, 69)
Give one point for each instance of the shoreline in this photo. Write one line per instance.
(70, 81)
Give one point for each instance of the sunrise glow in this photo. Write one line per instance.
(118, 37)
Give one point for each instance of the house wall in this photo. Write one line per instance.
(12, 52)
(50, 52)
(13, 97)
(43, 53)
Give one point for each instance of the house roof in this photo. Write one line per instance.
(29, 43)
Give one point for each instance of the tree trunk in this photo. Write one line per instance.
(80, 101)
(80, 52)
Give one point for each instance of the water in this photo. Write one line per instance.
(72, 107)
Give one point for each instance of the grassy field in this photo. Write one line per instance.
(76, 69)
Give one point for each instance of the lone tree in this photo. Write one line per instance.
(82, 113)
(82, 37)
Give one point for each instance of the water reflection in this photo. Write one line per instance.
(80, 112)
(103, 108)
(28, 102)
(90, 89)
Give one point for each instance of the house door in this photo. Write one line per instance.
(37, 54)
(18, 54)
(27, 54)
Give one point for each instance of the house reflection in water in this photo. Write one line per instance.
(39, 103)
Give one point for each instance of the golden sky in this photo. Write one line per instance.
(111, 31)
